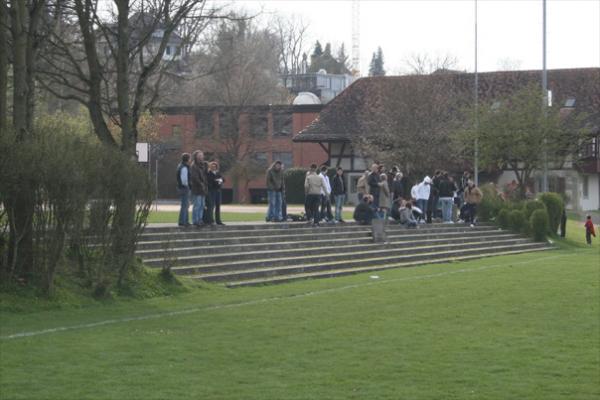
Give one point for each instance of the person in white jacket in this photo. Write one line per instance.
(326, 196)
(421, 194)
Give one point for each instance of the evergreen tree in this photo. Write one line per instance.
(318, 51)
(327, 52)
(342, 60)
(376, 66)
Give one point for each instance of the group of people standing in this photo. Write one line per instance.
(319, 190)
(381, 194)
(201, 181)
(384, 194)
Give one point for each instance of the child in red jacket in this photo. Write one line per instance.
(589, 230)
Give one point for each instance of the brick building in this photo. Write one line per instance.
(267, 132)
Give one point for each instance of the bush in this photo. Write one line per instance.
(294, 185)
(77, 187)
(491, 203)
(530, 206)
(503, 218)
(517, 221)
(539, 224)
(554, 206)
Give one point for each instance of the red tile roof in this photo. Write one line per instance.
(357, 107)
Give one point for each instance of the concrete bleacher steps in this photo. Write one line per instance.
(242, 255)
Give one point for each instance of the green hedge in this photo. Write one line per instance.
(294, 185)
(539, 224)
(517, 221)
(532, 205)
(491, 203)
(554, 206)
(503, 218)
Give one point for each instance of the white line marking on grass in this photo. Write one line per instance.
(265, 300)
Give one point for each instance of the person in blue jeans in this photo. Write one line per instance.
(338, 190)
(199, 187)
(183, 187)
(446, 189)
(275, 192)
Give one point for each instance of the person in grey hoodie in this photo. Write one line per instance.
(407, 217)
(275, 192)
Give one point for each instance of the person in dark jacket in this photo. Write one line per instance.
(199, 186)
(397, 187)
(215, 182)
(432, 205)
(446, 189)
(338, 190)
(364, 213)
(275, 192)
(183, 187)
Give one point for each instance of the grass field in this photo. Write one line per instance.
(516, 327)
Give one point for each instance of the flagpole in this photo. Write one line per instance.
(544, 98)
(476, 162)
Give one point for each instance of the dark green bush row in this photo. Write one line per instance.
(536, 218)
(294, 185)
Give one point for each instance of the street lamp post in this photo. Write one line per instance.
(476, 161)
(544, 98)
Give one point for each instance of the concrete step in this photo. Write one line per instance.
(192, 240)
(277, 279)
(202, 255)
(258, 267)
(215, 232)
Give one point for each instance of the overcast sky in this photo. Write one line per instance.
(510, 31)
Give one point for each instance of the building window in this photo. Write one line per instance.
(168, 50)
(259, 125)
(204, 124)
(282, 124)
(586, 187)
(286, 158)
(260, 158)
(229, 123)
(176, 130)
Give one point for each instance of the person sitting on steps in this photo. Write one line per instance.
(364, 213)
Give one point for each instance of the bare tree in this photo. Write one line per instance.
(424, 64)
(246, 62)
(509, 64)
(291, 43)
(113, 62)
(409, 124)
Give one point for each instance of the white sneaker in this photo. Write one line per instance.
(472, 225)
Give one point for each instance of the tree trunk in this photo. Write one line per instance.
(3, 69)
(24, 24)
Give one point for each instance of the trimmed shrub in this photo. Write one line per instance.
(517, 221)
(503, 218)
(530, 206)
(294, 185)
(554, 206)
(491, 203)
(539, 225)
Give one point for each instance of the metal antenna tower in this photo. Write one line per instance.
(355, 38)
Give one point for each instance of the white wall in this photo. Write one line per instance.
(592, 201)
(573, 189)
